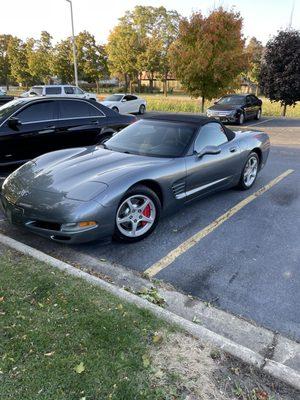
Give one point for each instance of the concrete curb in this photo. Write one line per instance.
(273, 368)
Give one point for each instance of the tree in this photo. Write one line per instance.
(4, 59)
(18, 59)
(123, 48)
(254, 52)
(92, 59)
(62, 61)
(154, 26)
(280, 71)
(40, 58)
(208, 55)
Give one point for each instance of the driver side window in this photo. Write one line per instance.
(211, 134)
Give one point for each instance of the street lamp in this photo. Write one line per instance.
(74, 46)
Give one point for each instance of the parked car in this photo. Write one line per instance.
(4, 98)
(34, 126)
(125, 103)
(59, 90)
(122, 188)
(236, 108)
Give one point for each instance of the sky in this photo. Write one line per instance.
(27, 18)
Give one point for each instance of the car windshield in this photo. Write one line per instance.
(36, 89)
(153, 138)
(114, 97)
(10, 107)
(231, 100)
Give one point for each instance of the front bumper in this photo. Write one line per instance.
(223, 118)
(51, 228)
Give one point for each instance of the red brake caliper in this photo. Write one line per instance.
(146, 213)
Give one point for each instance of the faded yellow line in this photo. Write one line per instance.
(169, 258)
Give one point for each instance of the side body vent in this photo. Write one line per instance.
(178, 189)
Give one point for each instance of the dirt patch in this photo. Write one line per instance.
(196, 372)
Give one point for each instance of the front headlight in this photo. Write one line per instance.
(86, 191)
(78, 226)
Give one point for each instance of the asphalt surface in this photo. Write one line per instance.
(248, 266)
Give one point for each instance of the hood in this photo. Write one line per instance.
(108, 103)
(225, 107)
(81, 170)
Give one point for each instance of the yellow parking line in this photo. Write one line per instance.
(169, 258)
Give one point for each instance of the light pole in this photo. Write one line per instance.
(74, 46)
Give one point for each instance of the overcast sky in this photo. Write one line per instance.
(27, 18)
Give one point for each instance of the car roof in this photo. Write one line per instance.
(238, 95)
(191, 119)
(46, 98)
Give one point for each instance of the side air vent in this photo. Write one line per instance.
(178, 189)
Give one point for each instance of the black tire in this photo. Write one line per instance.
(143, 191)
(241, 119)
(258, 115)
(142, 109)
(242, 184)
(115, 109)
(104, 137)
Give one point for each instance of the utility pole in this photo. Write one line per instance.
(74, 45)
(292, 15)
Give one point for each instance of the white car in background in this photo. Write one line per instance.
(59, 90)
(125, 103)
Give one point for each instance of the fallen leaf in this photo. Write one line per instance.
(120, 307)
(146, 361)
(1, 299)
(157, 338)
(261, 395)
(196, 320)
(79, 368)
(49, 354)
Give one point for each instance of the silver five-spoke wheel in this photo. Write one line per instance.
(135, 216)
(250, 171)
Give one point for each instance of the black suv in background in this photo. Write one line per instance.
(30, 127)
(236, 108)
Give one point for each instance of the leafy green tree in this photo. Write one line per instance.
(254, 52)
(4, 59)
(92, 59)
(62, 61)
(40, 58)
(280, 71)
(208, 55)
(123, 49)
(18, 58)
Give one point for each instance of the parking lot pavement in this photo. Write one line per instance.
(248, 266)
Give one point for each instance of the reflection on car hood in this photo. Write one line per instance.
(224, 107)
(64, 171)
(108, 103)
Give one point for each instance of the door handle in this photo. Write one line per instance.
(96, 122)
(233, 149)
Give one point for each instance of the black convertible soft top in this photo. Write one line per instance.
(197, 120)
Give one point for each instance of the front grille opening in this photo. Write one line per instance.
(53, 226)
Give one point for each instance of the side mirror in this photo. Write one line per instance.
(124, 100)
(208, 150)
(14, 123)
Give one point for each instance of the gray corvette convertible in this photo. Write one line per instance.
(122, 188)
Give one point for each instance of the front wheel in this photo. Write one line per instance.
(142, 109)
(249, 173)
(115, 109)
(241, 118)
(137, 215)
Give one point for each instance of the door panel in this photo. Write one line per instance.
(211, 171)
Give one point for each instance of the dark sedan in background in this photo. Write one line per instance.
(4, 98)
(34, 126)
(236, 108)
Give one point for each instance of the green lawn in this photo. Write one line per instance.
(52, 324)
(63, 339)
(183, 103)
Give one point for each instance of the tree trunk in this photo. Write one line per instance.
(97, 86)
(126, 82)
(283, 110)
(256, 90)
(130, 86)
(139, 83)
(151, 83)
(202, 104)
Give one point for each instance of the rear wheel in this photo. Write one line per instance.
(258, 114)
(250, 171)
(137, 215)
